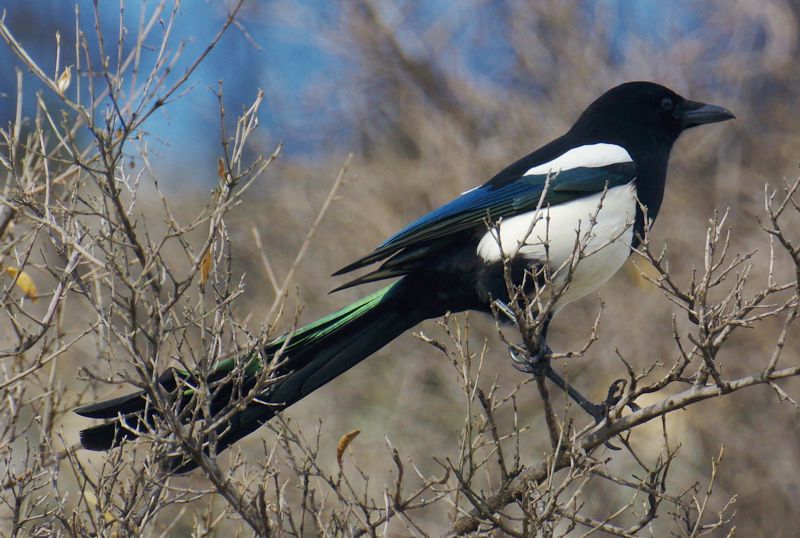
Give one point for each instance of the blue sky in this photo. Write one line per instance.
(304, 108)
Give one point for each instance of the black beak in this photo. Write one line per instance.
(694, 114)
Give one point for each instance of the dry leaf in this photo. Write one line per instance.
(24, 282)
(205, 267)
(92, 501)
(221, 168)
(64, 79)
(640, 270)
(90, 497)
(343, 443)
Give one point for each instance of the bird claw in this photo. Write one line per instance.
(615, 392)
(536, 365)
(599, 412)
(539, 366)
(518, 358)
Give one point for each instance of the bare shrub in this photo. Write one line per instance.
(109, 281)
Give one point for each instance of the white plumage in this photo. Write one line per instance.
(600, 225)
(589, 156)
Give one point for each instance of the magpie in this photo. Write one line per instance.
(600, 185)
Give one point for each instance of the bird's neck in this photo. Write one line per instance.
(651, 178)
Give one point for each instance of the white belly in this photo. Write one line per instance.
(557, 230)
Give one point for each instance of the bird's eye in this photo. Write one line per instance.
(667, 104)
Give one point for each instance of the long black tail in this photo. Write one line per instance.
(315, 354)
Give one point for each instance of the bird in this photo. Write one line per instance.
(601, 184)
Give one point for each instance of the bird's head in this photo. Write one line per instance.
(644, 116)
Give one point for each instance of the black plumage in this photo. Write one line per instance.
(446, 262)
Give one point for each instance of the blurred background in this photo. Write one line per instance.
(434, 97)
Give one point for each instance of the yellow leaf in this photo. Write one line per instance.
(205, 267)
(64, 79)
(93, 502)
(24, 282)
(91, 498)
(343, 443)
(639, 270)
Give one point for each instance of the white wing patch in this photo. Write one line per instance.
(589, 156)
(552, 238)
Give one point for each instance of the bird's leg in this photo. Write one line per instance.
(527, 364)
(597, 411)
(539, 365)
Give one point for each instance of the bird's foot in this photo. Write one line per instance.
(539, 365)
(600, 411)
(536, 365)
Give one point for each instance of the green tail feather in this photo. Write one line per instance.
(314, 355)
